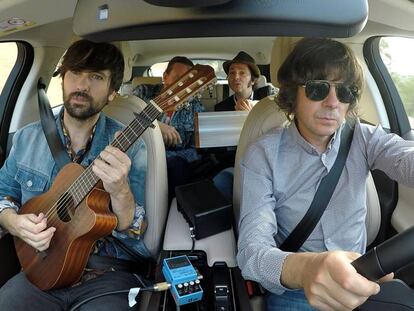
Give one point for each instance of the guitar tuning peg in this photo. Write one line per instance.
(210, 87)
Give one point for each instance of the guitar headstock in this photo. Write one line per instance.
(188, 86)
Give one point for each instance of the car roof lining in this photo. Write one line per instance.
(138, 20)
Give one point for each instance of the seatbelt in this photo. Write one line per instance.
(322, 197)
(48, 122)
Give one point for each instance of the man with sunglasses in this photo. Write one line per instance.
(320, 85)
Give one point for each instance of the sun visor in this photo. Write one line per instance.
(135, 19)
(186, 3)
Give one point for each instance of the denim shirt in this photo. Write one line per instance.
(182, 121)
(30, 170)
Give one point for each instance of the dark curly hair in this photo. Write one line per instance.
(85, 55)
(317, 59)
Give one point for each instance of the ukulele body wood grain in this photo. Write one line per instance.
(76, 231)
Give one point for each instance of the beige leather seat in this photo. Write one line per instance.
(122, 108)
(156, 189)
(266, 115)
(145, 80)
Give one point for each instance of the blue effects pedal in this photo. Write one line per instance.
(184, 280)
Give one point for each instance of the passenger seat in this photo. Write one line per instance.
(122, 108)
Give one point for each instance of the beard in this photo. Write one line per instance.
(83, 111)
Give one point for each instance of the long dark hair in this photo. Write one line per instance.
(317, 59)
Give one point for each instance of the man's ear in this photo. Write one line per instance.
(164, 76)
(111, 96)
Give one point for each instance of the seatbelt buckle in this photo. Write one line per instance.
(254, 289)
(221, 297)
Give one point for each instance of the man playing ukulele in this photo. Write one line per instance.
(91, 74)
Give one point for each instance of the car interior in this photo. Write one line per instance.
(35, 34)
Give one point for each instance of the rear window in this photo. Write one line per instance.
(158, 69)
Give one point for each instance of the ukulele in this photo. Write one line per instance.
(77, 205)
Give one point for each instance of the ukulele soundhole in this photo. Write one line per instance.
(65, 207)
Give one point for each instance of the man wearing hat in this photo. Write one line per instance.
(242, 73)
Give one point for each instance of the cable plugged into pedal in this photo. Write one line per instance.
(184, 280)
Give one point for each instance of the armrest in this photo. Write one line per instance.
(218, 129)
(218, 247)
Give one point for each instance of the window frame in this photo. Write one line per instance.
(11, 91)
(394, 106)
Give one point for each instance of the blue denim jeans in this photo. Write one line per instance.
(288, 301)
(224, 182)
(21, 295)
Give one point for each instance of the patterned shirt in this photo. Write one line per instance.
(75, 156)
(280, 174)
(182, 120)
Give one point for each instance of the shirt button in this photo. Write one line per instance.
(29, 183)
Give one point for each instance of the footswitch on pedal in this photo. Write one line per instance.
(184, 280)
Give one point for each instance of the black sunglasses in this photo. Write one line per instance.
(318, 90)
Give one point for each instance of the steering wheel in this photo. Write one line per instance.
(385, 258)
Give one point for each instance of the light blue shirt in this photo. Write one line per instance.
(280, 174)
(30, 170)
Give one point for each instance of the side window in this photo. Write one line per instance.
(396, 53)
(8, 56)
(54, 91)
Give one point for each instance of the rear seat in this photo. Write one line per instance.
(209, 97)
(145, 80)
(221, 91)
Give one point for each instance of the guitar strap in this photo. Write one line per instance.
(322, 197)
(48, 122)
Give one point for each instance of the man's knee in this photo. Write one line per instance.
(14, 293)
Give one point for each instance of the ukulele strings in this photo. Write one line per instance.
(80, 182)
(74, 192)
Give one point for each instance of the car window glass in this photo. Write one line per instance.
(158, 69)
(8, 56)
(396, 53)
(54, 91)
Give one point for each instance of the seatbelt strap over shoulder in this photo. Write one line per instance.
(48, 123)
(322, 197)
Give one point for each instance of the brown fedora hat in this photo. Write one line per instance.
(243, 58)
